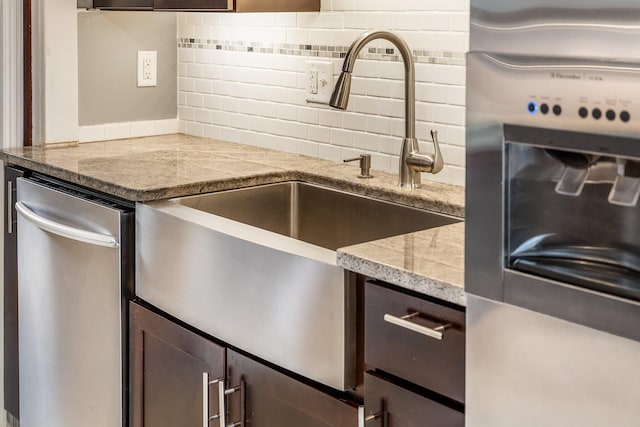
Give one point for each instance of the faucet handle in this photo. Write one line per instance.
(438, 163)
(365, 165)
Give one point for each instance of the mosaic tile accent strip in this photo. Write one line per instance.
(323, 51)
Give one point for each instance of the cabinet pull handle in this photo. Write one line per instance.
(403, 322)
(64, 230)
(363, 420)
(241, 389)
(9, 207)
(221, 415)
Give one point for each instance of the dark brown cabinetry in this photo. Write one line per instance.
(206, 5)
(398, 406)
(414, 353)
(275, 399)
(168, 365)
(168, 386)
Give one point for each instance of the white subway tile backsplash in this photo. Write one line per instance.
(307, 148)
(242, 78)
(392, 108)
(378, 124)
(286, 19)
(211, 131)
(309, 115)
(186, 55)
(182, 69)
(342, 137)
(203, 116)
(455, 155)
(354, 121)
(456, 95)
(202, 86)
(320, 134)
(331, 118)
(365, 104)
(287, 112)
(365, 141)
(330, 152)
(389, 144)
(195, 100)
(186, 113)
(229, 134)
(383, 162)
(448, 114)
(457, 135)
(356, 20)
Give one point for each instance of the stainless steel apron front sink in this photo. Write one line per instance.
(256, 268)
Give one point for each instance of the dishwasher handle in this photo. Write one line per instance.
(66, 231)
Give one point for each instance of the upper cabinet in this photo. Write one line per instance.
(206, 5)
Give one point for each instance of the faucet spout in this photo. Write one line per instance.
(340, 97)
(412, 162)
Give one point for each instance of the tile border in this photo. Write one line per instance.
(442, 57)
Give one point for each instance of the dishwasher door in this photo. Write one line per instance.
(69, 309)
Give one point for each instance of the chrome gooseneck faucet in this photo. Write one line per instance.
(412, 162)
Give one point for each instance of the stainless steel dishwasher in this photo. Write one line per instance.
(74, 277)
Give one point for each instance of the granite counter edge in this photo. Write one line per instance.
(405, 279)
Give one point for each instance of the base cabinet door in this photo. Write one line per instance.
(263, 397)
(389, 405)
(171, 370)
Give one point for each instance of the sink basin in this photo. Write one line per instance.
(314, 214)
(256, 268)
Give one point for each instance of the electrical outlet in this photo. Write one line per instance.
(147, 68)
(319, 81)
(313, 81)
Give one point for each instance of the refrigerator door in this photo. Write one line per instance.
(69, 310)
(527, 369)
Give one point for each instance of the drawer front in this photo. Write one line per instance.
(401, 346)
(403, 408)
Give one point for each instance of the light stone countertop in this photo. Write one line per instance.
(430, 262)
(162, 167)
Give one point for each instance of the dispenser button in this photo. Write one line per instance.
(596, 113)
(583, 112)
(544, 108)
(611, 115)
(625, 116)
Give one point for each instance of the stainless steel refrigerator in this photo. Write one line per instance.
(552, 214)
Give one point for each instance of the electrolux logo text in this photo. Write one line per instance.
(568, 76)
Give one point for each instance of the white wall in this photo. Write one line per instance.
(55, 71)
(242, 78)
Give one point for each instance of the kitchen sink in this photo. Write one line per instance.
(314, 214)
(256, 268)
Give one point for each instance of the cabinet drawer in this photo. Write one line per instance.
(400, 346)
(404, 408)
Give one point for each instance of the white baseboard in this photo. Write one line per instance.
(124, 130)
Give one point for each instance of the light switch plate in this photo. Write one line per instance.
(319, 81)
(147, 68)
